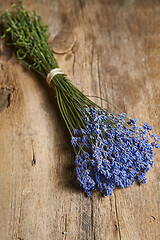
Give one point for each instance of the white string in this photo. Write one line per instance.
(53, 73)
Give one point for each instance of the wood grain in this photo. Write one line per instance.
(108, 48)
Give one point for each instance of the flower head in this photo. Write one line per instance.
(112, 152)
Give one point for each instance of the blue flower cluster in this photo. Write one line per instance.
(112, 152)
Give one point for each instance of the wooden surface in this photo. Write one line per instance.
(108, 48)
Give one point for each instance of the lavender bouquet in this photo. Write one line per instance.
(111, 150)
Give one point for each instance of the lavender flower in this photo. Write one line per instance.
(112, 152)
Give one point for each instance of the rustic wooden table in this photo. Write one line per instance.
(108, 48)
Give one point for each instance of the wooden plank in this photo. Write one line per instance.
(107, 48)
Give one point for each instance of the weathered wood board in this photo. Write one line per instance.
(108, 48)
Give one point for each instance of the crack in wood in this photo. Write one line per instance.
(33, 160)
(5, 97)
(74, 57)
(20, 211)
(99, 81)
(94, 236)
(92, 220)
(110, 203)
(117, 227)
(74, 61)
(19, 219)
(153, 218)
(33, 157)
(81, 4)
(19, 238)
(92, 57)
(66, 226)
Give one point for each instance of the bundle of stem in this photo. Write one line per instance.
(30, 36)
